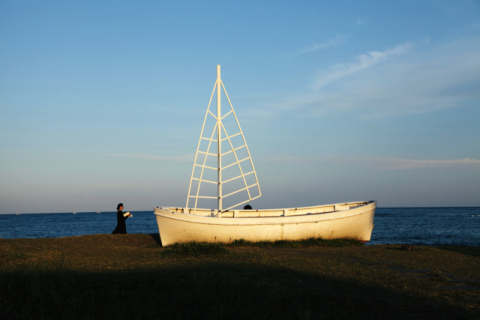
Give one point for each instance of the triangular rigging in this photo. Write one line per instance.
(216, 138)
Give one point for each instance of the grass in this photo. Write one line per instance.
(194, 249)
(310, 242)
(133, 277)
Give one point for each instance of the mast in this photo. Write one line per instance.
(219, 137)
(230, 149)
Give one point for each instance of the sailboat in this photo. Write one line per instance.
(226, 223)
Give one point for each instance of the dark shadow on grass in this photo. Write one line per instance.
(202, 289)
(156, 237)
(469, 250)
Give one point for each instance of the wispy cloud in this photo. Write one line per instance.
(381, 163)
(100, 186)
(406, 79)
(362, 62)
(402, 164)
(378, 163)
(360, 21)
(184, 158)
(338, 40)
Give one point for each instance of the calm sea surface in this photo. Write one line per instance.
(427, 226)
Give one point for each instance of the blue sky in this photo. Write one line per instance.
(103, 101)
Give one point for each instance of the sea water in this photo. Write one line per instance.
(420, 226)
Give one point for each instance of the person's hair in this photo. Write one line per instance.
(119, 205)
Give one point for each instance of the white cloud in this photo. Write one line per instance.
(184, 158)
(359, 21)
(402, 164)
(395, 82)
(362, 62)
(379, 163)
(338, 40)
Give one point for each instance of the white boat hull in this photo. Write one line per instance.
(351, 220)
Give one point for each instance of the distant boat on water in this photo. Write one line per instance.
(347, 220)
(74, 212)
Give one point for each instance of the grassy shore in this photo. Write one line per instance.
(133, 277)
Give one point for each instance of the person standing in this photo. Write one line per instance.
(121, 217)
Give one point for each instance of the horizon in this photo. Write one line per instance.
(71, 212)
(103, 102)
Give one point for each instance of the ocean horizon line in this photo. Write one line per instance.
(113, 211)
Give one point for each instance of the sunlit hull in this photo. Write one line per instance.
(351, 220)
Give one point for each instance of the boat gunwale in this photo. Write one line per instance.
(365, 203)
(291, 219)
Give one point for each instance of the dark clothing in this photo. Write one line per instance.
(121, 226)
